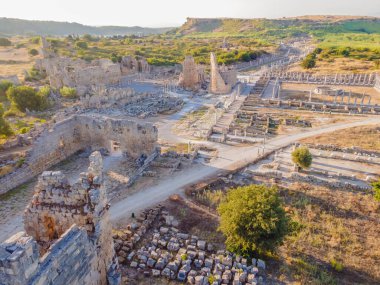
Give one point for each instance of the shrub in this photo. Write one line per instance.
(376, 189)
(68, 92)
(81, 45)
(5, 129)
(4, 86)
(336, 265)
(302, 157)
(25, 97)
(5, 42)
(309, 62)
(253, 220)
(33, 52)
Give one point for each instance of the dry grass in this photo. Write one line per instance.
(339, 65)
(334, 227)
(367, 137)
(13, 61)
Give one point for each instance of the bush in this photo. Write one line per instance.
(4, 86)
(309, 62)
(4, 42)
(81, 45)
(302, 157)
(253, 220)
(33, 52)
(376, 189)
(336, 265)
(25, 97)
(68, 92)
(5, 129)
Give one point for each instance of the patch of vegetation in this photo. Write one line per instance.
(33, 52)
(302, 157)
(253, 220)
(5, 129)
(68, 92)
(4, 86)
(25, 97)
(376, 189)
(4, 42)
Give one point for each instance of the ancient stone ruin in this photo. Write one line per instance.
(78, 132)
(68, 236)
(192, 75)
(223, 79)
(78, 73)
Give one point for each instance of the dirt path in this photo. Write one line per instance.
(230, 158)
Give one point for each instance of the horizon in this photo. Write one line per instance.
(173, 15)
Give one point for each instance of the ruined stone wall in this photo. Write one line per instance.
(76, 133)
(111, 97)
(65, 71)
(192, 75)
(221, 81)
(69, 222)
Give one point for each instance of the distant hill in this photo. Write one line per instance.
(11, 27)
(284, 26)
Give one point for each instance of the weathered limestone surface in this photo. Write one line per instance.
(222, 79)
(192, 75)
(78, 132)
(377, 82)
(72, 223)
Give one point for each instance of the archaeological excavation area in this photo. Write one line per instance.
(127, 179)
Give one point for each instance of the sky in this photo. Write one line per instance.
(164, 13)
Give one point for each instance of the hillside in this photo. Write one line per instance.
(280, 28)
(12, 27)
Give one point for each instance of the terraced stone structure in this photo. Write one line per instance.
(65, 138)
(68, 236)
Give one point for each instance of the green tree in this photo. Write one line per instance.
(253, 220)
(5, 42)
(376, 188)
(302, 157)
(33, 52)
(5, 129)
(309, 61)
(25, 97)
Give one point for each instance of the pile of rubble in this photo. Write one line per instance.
(170, 254)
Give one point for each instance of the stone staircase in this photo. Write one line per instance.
(224, 122)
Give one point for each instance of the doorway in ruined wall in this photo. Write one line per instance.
(115, 149)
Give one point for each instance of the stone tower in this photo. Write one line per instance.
(222, 80)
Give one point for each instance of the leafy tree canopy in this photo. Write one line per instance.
(253, 220)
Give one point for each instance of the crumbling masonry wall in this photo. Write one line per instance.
(69, 222)
(192, 75)
(79, 132)
(222, 79)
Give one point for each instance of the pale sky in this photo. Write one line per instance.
(160, 13)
